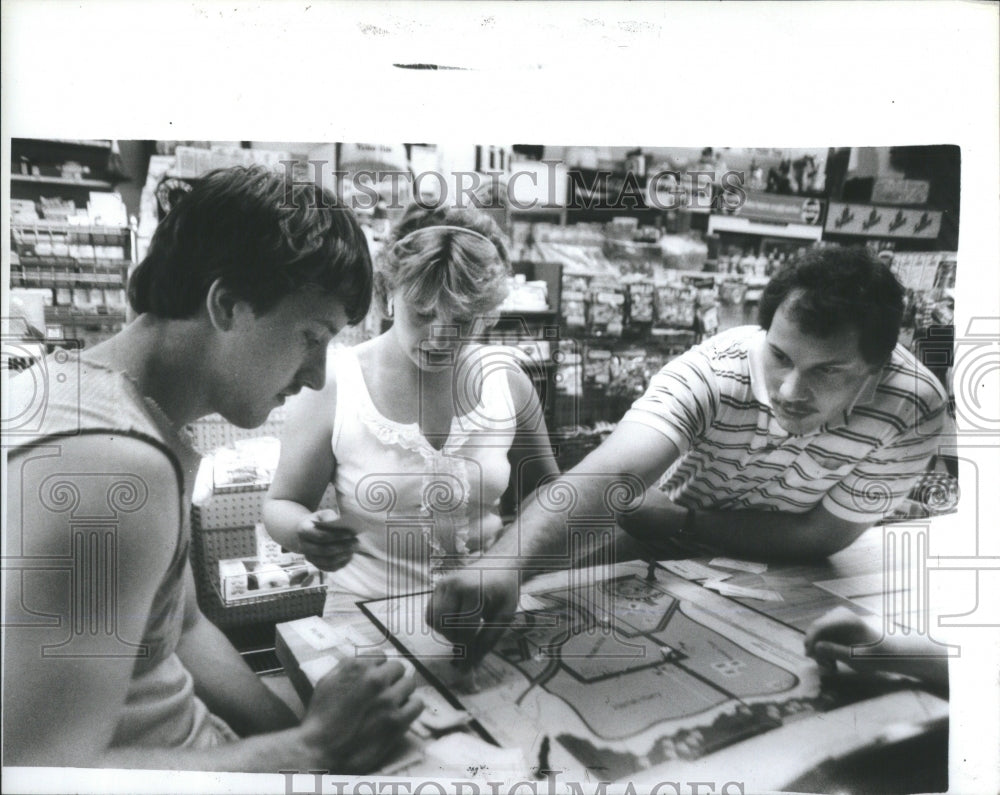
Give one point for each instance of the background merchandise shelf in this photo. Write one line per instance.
(97, 184)
(71, 244)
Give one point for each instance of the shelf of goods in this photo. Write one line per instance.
(71, 247)
(79, 272)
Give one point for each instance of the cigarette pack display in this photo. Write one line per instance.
(270, 551)
(246, 578)
(249, 466)
(81, 300)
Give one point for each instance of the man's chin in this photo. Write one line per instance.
(797, 426)
(250, 418)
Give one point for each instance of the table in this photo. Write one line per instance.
(613, 676)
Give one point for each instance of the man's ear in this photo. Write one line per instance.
(221, 305)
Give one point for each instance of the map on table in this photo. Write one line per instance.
(618, 674)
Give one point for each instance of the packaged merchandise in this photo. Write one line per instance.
(569, 369)
(81, 300)
(641, 299)
(675, 305)
(246, 578)
(574, 303)
(249, 465)
(597, 367)
(605, 309)
(23, 211)
(56, 209)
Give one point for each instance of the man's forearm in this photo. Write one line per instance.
(547, 536)
(764, 535)
(226, 684)
(266, 753)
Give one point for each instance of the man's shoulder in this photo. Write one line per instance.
(61, 395)
(906, 380)
(734, 343)
(730, 352)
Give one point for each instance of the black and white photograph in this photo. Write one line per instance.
(501, 398)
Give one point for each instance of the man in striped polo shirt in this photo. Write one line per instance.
(786, 440)
(791, 438)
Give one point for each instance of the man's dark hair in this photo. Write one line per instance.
(835, 289)
(264, 236)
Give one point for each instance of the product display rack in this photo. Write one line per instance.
(87, 300)
(77, 267)
(61, 167)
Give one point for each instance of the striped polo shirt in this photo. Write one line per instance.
(712, 404)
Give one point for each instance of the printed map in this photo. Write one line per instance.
(614, 676)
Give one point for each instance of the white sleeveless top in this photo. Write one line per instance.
(416, 509)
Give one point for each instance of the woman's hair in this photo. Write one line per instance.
(264, 235)
(440, 267)
(834, 288)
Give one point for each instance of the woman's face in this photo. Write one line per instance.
(430, 340)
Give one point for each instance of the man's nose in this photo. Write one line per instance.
(313, 372)
(793, 388)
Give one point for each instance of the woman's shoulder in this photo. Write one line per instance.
(365, 354)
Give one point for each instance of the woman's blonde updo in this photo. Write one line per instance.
(447, 261)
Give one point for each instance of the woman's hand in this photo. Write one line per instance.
(326, 543)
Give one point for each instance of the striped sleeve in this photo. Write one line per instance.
(881, 481)
(680, 401)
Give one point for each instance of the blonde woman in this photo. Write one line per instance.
(421, 430)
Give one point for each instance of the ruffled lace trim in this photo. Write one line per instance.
(440, 465)
(445, 504)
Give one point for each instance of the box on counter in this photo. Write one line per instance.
(249, 465)
(247, 578)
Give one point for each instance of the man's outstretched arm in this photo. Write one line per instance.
(629, 461)
(660, 525)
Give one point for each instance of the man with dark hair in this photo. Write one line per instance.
(107, 659)
(786, 440)
(278, 237)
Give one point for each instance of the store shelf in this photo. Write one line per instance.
(536, 213)
(109, 265)
(528, 314)
(97, 184)
(96, 321)
(70, 267)
(66, 280)
(46, 225)
(87, 143)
